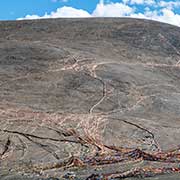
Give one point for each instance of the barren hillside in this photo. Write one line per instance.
(89, 99)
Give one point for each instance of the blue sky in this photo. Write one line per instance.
(13, 9)
(161, 10)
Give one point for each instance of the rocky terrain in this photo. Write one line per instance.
(89, 99)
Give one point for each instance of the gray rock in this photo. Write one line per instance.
(69, 87)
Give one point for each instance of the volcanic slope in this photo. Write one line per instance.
(89, 99)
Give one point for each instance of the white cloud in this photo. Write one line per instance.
(165, 15)
(169, 16)
(69, 12)
(137, 1)
(112, 10)
(31, 17)
(169, 4)
(163, 12)
(147, 2)
(64, 12)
